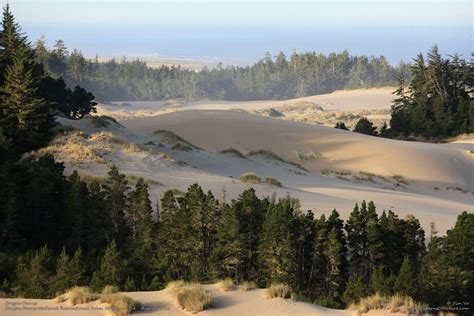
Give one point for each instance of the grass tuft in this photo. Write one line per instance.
(247, 285)
(394, 304)
(278, 290)
(250, 177)
(121, 305)
(226, 285)
(271, 155)
(273, 181)
(193, 298)
(234, 152)
(78, 295)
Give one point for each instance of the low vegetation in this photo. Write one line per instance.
(267, 154)
(175, 141)
(250, 177)
(309, 156)
(278, 290)
(103, 121)
(191, 297)
(247, 285)
(273, 181)
(78, 295)
(226, 285)
(394, 304)
(234, 152)
(121, 305)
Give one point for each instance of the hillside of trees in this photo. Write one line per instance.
(438, 101)
(277, 77)
(58, 231)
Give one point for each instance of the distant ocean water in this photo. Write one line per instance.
(244, 45)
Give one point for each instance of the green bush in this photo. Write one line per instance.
(250, 177)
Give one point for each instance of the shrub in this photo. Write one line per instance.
(193, 298)
(174, 286)
(310, 156)
(394, 304)
(109, 289)
(247, 285)
(78, 295)
(122, 305)
(226, 285)
(278, 290)
(250, 177)
(273, 181)
(234, 152)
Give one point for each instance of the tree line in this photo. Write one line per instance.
(438, 101)
(276, 77)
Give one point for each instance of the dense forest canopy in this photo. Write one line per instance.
(276, 77)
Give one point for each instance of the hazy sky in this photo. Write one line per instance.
(199, 29)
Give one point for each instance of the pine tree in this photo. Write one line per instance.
(336, 273)
(364, 126)
(111, 270)
(357, 242)
(355, 290)
(25, 116)
(69, 271)
(277, 248)
(405, 283)
(34, 274)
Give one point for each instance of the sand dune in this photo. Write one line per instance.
(250, 303)
(340, 150)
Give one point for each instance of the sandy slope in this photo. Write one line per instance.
(217, 130)
(251, 303)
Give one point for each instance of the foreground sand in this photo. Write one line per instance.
(251, 303)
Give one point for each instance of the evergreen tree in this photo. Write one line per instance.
(405, 283)
(111, 270)
(364, 126)
(69, 271)
(34, 274)
(355, 290)
(341, 125)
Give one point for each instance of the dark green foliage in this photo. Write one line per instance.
(355, 290)
(111, 270)
(341, 125)
(438, 102)
(364, 126)
(405, 283)
(69, 271)
(302, 75)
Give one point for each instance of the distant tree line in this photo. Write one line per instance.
(270, 78)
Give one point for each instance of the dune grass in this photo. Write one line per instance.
(193, 298)
(121, 305)
(278, 290)
(110, 289)
(226, 285)
(271, 155)
(247, 286)
(250, 177)
(273, 181)
(394, 304)
(174, 286)
(78, 295)
(178, 143)
(234, 152)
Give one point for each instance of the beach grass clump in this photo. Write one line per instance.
(78, 295)
(247, 285)
(234, 152)
(226, 285)
(121, 305)
(267, 154)
(193, 298)
(110, 289)
(278, 290)
(250, 177)
(174, 286)
(273, 181)
(394, 304)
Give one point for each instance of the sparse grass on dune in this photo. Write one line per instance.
(178, 143)
(226, 285)
(191, 297)
(273, 181)
(107, 293)
(393, 304)
(278, 290)
(234, 152)
(247, 286)
(78, 295)
(121, 305)
(271, 155)
(250, 177)
(101, 121)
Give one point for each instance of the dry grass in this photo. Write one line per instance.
(310, 156)
(278, 290)
(226, 285)
(394, 304)
(121, 305)
(106, 136)
(267, 154)
(250, 177)
(273, 181)
(174, 286)
(78, 295)
(247, 285)
(109, 289)
(193, 298)
(234, 152)
(176, 141)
